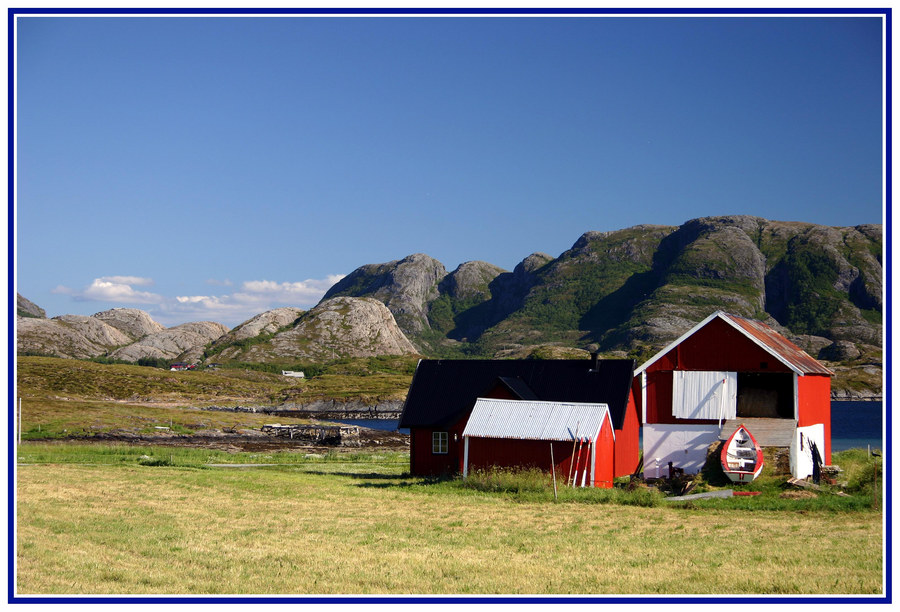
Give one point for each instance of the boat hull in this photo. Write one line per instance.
(742, 457)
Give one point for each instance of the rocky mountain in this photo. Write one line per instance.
(73, 336)
(634, 290)
(406, 287)
(26, 308)
(624, 292)
(337, 327)
(132, 322)
(184, 342)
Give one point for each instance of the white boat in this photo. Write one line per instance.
(742, 458)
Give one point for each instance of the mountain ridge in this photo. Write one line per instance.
(622, 292)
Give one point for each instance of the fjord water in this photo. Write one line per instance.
(856, 425)
(853, 425)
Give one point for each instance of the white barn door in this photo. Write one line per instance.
(704, 395)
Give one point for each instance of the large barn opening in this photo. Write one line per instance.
(765, 395)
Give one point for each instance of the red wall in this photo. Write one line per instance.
(814, 399)
(628, 441)
(493, 452)
(718, 347)
(423, 462)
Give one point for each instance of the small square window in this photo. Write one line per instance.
(439, 442)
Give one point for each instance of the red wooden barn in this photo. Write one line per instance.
(725, 371)
(443, 395)
(575, 440)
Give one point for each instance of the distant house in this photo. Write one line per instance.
(444, 394)
(293, 374)
(725, 371)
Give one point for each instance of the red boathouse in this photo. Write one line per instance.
(724, 372)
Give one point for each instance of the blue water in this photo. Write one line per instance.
(856, 425)
(853, 425)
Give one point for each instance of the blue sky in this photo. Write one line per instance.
(208, 168)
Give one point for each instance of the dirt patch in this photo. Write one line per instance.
(798, 495)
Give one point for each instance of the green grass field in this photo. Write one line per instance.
(98, 519)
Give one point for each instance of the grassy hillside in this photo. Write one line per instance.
(63, 397)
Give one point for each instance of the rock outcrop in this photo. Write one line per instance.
(132, 322)
(268, 322)
(406, 287)
(338, 327)
(27, 308)
(70, 336)
(172, 342)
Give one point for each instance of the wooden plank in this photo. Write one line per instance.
(768, 432)
(709, 495)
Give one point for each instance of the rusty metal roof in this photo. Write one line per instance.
(535, 420)
(778, 345)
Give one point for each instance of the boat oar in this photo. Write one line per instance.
(577, 463)
(572, 460)
(586, 461)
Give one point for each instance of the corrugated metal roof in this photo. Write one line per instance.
(777, 344)
(534, 420)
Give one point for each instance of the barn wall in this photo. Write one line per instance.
(485, 453)
(628, 440)
(605, 456)
(425, 463)
(659, 397)
(814, 406)
(720, 347)
(499, 452)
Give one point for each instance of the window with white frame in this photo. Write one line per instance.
(439, 442)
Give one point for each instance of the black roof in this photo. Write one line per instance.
(444, 390)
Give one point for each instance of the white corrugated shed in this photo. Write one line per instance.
(535, 420)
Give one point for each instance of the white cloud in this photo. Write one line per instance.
(302, 292)
(114, 289)
(253, 298)
(140, 281)
(219, 283)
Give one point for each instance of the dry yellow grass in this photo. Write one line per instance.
(148, 530)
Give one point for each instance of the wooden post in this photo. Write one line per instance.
(553, 469)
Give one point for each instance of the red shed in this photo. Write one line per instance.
(576, 441)
(725, 371)
(443, 394)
